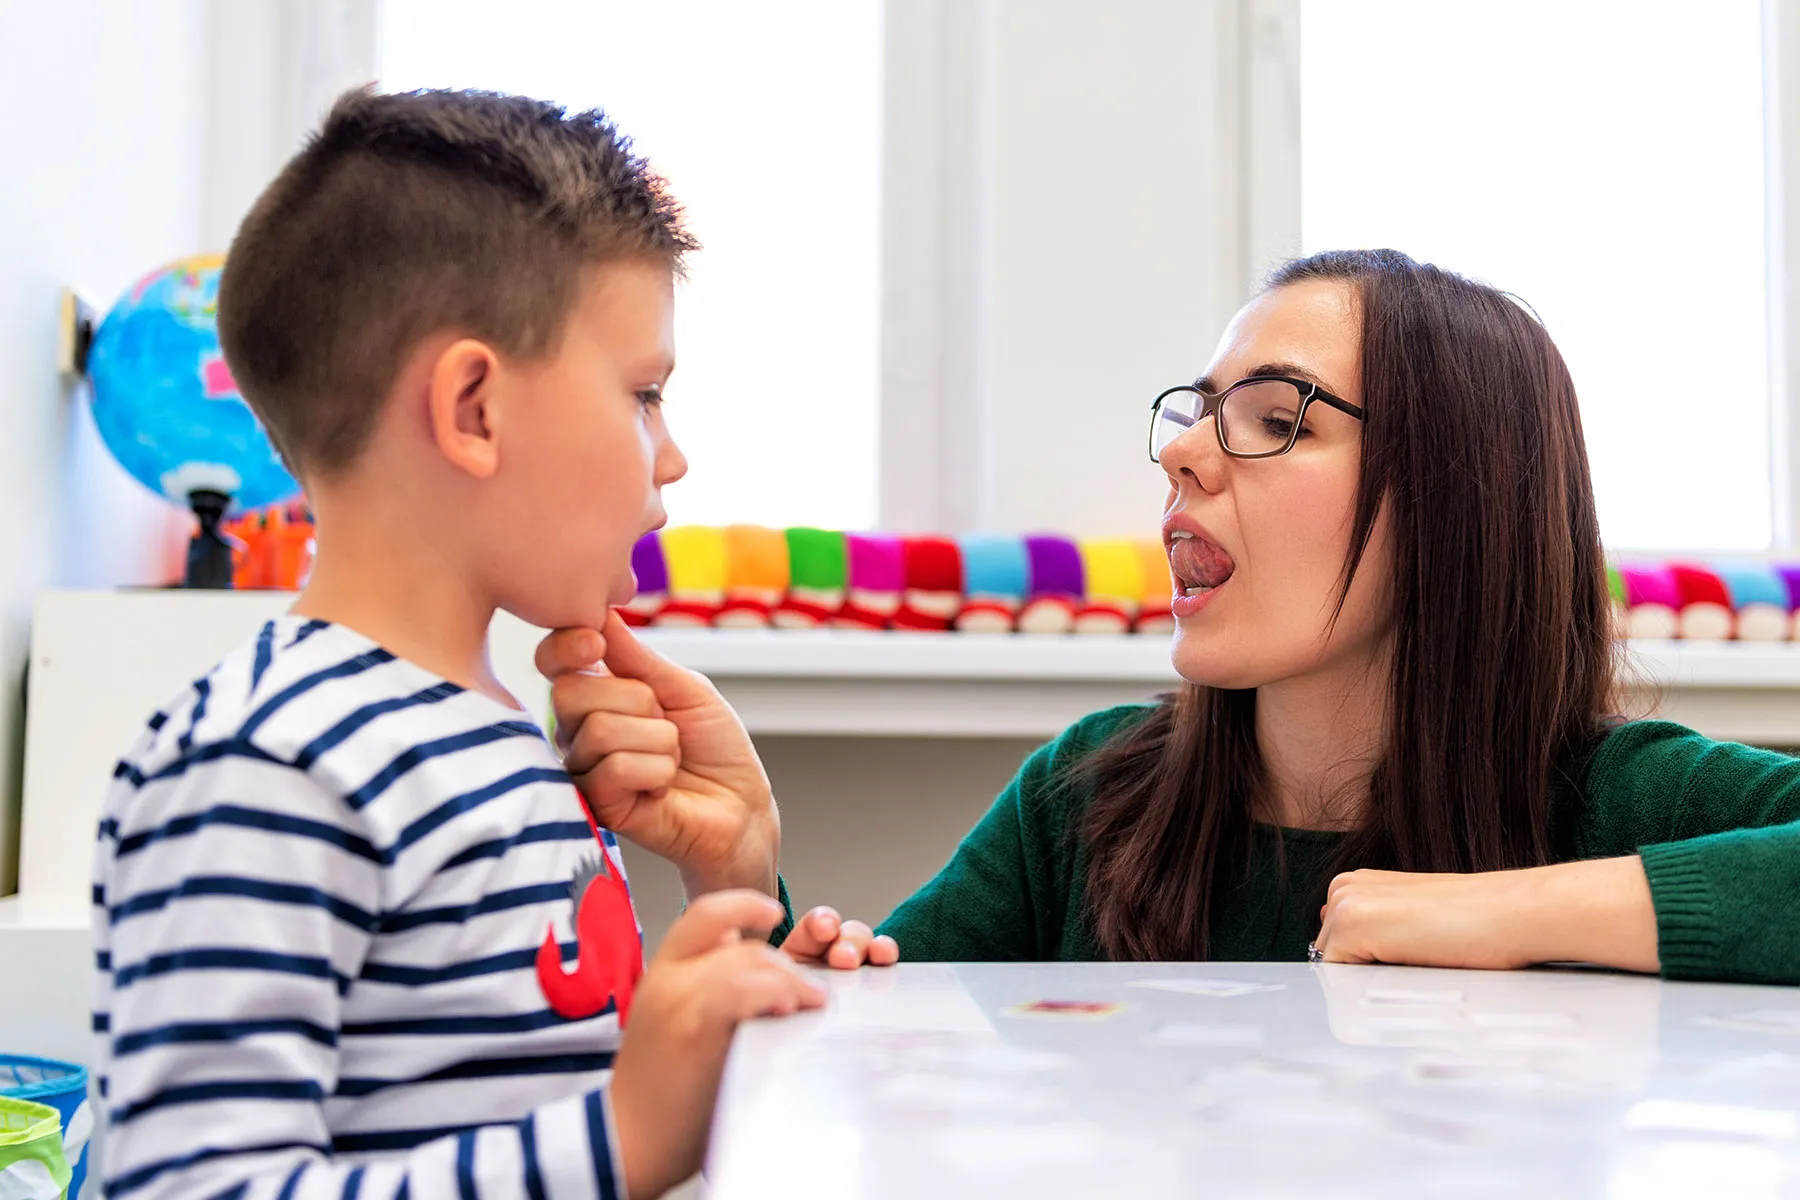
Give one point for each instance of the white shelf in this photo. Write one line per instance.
(833, 654)
(846, 654)
(1709, 665)
(102, 661)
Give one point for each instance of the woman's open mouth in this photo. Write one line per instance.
(1199, 567)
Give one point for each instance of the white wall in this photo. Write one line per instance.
(1079, 196)
(100, 114)
(135, 133)
(1110, 190)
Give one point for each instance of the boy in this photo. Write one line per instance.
(357, 934)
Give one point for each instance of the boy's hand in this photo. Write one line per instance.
(822, 938)
(713, 971)
(661, 758)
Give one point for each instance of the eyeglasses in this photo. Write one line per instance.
(1258, 417)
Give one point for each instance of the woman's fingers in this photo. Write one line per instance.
(821, 936)
(578, 696)
(606, 733)
(851, 949)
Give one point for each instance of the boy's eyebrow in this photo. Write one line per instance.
(658, 368)
(1207, 384)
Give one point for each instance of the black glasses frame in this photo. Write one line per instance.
(1209, 407)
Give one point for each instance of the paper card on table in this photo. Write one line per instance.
(1473, 1072)
(936, 1092)
(1762, 1020)
(1432, 1129)
(1405, 1026)
(1080, 1009)
(1187, 1033)
(1775, 1062)
(923, 1010)
(1729, 1120)
(1412, 996)
(1221, 988)
(1523, 1020)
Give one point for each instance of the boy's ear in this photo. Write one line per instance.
(462, 403)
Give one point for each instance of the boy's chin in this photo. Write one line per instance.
(583, 613)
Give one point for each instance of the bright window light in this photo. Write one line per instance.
(765, 119)
(1604, 161)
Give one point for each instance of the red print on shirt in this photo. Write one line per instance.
(609, 955)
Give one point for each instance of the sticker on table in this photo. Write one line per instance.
(1091, 1010)
(1762, 1020)
(1220, 988)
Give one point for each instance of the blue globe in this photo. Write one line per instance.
(165, 402)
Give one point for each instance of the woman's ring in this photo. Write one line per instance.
(1313, 953)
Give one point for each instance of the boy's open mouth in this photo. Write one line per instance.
(1198, 565)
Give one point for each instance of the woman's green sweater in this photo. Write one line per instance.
(1717, 825)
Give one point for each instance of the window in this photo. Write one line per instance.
(765, 119)
(1603, 160)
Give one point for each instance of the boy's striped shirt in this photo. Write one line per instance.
(321, 885)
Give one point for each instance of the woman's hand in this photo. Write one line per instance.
(824, 939)
(1598, 911)
(661, 758)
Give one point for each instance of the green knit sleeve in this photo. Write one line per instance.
(1717, 825)
(780, 933)
(1003, 894)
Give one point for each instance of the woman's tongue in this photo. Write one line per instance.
(1199, 564)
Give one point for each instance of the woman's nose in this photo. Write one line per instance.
(1196, 456)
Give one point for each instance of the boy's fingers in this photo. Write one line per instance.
(813, 935)
(565, 650)
(625, 656)
(605, 733)
(884, 951)
(757, 983)
(709, 918)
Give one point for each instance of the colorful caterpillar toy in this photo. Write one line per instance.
(1745, 601)
(750, 577)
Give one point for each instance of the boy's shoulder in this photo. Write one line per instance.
(289, 694)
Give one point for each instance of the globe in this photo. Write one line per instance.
(164, 400)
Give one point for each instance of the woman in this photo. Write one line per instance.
(1393, 624)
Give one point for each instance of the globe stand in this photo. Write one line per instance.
(209, 553)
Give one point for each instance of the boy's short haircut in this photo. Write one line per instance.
(407, 215)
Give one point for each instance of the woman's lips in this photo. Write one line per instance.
(1200, 568)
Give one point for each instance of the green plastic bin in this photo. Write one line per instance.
(32, 1166)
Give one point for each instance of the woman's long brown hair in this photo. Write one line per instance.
(1502, 665)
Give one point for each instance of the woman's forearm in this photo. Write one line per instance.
(1599, 911)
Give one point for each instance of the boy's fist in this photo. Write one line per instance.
(714, 970)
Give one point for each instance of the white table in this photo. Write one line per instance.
(1303, 1082)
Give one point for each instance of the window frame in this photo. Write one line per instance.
(1274, 92)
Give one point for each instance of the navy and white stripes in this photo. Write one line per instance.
(321, 881)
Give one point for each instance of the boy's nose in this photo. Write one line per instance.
(671, 463)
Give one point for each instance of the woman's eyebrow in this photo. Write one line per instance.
(1207, 384)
